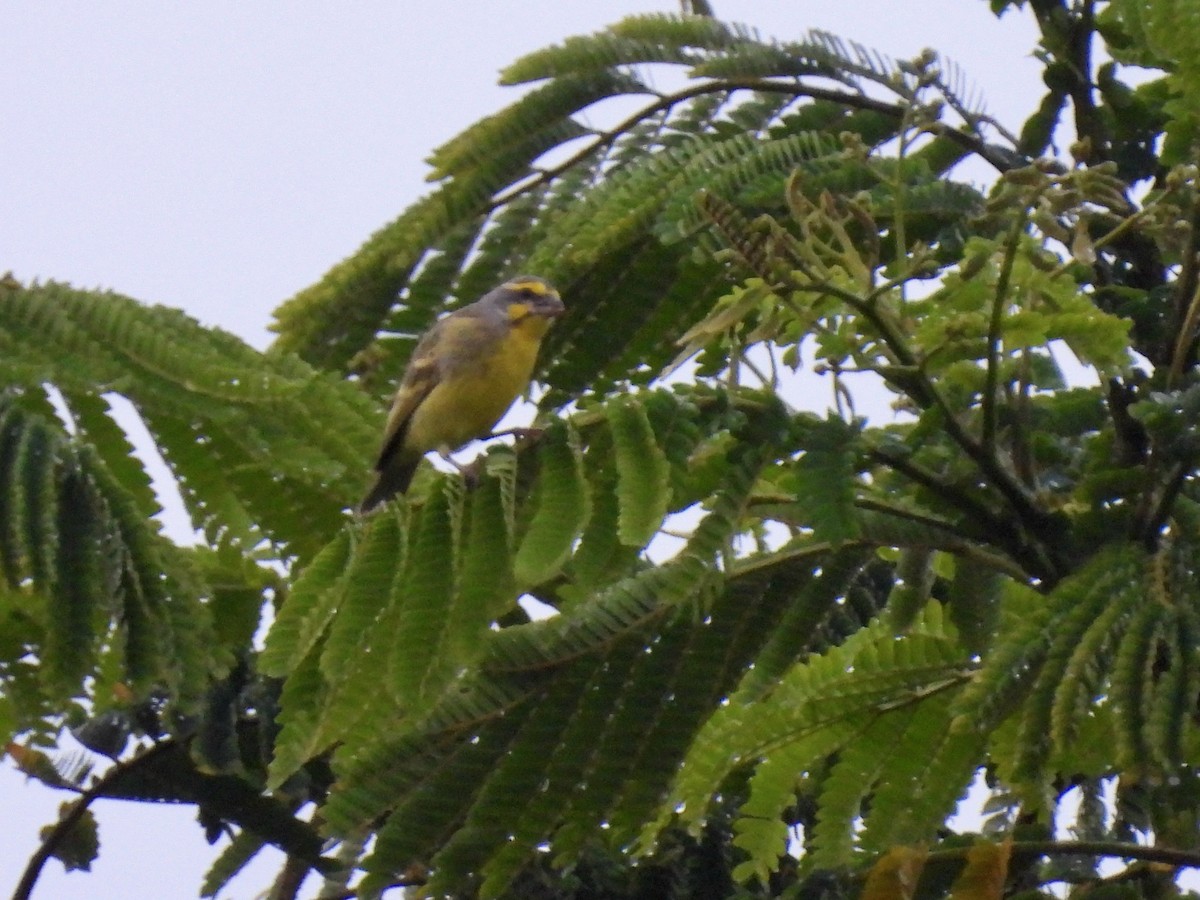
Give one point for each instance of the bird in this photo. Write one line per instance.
(464, 374)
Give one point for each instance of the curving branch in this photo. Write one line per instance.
(999, 158)
(990, 400)
(168, 770)
(69, 819)
(1189, 859)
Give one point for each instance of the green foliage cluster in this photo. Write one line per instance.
(775, 646)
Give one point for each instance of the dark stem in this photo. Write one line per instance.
(1186, 313)
(1088, 122)
(1022, 452)
(959, 499)
(954, 543)
(992, 383)
(1181, 858)
(926, 395)
(291, 877)
(996, 529)
(1166, 501)
(1067, 34)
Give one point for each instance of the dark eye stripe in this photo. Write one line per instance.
(529, 288)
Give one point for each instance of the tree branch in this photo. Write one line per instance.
(992, 378)
(954, 543)
(1185, 286)
(1181, 858)
(939, 487)
(970, 142)
(71, 817)
(925, 394)
(165, 772)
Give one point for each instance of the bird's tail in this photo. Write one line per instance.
(393, 479)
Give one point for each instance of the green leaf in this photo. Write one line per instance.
(578, 55)
(643, 486)
(562, 508)
(79, 594)
(95, 417)
(542, 113)
(78, 848)
(242, 848)
(819, 705)
(485, 589)
(262, 446)
(825, 479)
(104, 600)
(600, 558)
(299, 739)
(853, 775)
(929, 754)
(974, 602)
(308, 610)
(355, 659)
(1133, 679)
(420, 663)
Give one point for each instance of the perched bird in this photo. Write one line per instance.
(464, 374)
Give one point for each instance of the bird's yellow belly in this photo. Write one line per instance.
(467, 403)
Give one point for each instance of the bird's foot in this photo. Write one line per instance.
(470, 472)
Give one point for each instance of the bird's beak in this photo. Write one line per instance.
(550, 306)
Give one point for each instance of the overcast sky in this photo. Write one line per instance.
(220, 156)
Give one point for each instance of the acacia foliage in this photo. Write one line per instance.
(770, 629)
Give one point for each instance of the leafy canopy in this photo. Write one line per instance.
(781, 639)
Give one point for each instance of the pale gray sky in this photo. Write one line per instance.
(220, 156)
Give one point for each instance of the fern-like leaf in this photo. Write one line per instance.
(1096, 599)
(642, 485)
(485, 588)
(562, 510)
(419, 664)
(99, 585)
(310, 606)
(826, 477)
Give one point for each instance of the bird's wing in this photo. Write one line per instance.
(421, 377)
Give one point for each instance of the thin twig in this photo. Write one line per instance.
(1184, 338)
(1181, 858)
(1108, 237)
(1188, 286)
(927, 396)
(954, 542)
(939, 487)
(1022, 453)
(992, 378)
(1157, 518)
(757, 372)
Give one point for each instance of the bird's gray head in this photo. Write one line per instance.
(527, 295)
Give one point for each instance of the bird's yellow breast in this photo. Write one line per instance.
(469, 400)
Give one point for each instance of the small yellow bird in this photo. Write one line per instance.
(464, 374)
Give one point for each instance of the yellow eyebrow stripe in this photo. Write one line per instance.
(535, 287)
